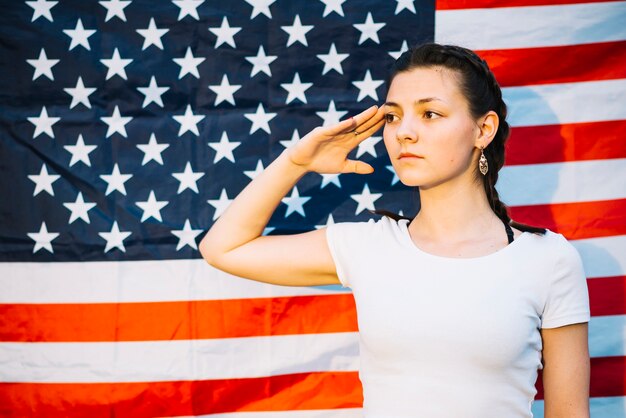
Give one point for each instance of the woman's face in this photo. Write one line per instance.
(427, 115)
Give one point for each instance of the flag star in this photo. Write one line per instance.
(224, 148)
(152, 207)
(368, 146)
(330, 221)
(80, 151)
(43, 123)
(188, 7)
(41, 8)
(261, 62)
(296, 89)
(188, 121)
(152, 35)
(258, 170)
(187, 236)
(396, 54)
(225, 91)
(188, 179)
(369, 29)
(43, 238)
(405, 4)
(220, 204)
(330, 178)
(43, 65)
(115, 238)
(367, 87)
(365, 199)
(153, 93)
(80, 93)
(188, 64)
(260, 6)
(332, 115)
(116, 65)
(43, 181)
(295, 202)
(225, 33)
(117, 123)
(152, 150)
(79, 35)
(395, 178)
(115, 181)
(333, 6)
(115, 8)
(295, 137)
(260, 119)
(332, 60)
(297, 32)
(267, 230)
(79, 209)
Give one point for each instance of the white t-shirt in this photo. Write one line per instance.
(454, 337)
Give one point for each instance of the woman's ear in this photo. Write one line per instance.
(488, 126)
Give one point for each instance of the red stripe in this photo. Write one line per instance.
(563, 143)
(607, 295)
(302, 391)
(603, 218)
(481, 4)
(557, 64)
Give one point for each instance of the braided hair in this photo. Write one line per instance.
(482, 92)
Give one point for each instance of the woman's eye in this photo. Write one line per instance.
(389, 118)
(430, 115)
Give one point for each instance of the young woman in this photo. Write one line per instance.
(459, 307)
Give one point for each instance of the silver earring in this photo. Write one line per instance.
(482, 163)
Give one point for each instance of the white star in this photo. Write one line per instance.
(152, 35)
(153, 93)
(187, 236)
(368, 146)
(224, 148)
(297, 32)
(79, 209)
(332, 60)
(330, 221)
(220, 204)
(116, 65)
(296, 89)
(261, 62)
(367, 87)
(152, 150)
(395, 178)
(295, 137)
(405, 4)
(79, 35)
(188, 64)
(80, 151)
(115, 181)
(43, 181)
(225, 91)
(43, 123)
(152, 207)
(396, 54)
(260, 119)
(115, 238)
(332, 115)
(225, 34)
(333, 6)
(260, 6)
(188, 121)
(43, 238)
(80, 93)
(188, 179)
(365, 199)
(42, 8)
(43, 65)
(188, 7)
(330, 178)
(117, 123)
(258, 170)
(267, 230)
(295, 202)
(115, 8)
(369, 29)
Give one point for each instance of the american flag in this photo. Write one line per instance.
(127, 127)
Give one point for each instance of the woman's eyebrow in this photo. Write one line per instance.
(416, 102)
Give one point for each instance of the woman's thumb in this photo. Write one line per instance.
(358, 167)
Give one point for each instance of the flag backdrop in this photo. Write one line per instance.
(126, 128)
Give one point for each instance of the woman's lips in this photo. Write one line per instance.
(404, 156)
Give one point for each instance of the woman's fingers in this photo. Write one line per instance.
(354, 122)
(377, 120)
(358, 167)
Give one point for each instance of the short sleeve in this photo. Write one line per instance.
(568, 297)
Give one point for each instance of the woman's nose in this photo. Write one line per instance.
(406, 132)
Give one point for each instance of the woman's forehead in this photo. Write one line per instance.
(420, 83)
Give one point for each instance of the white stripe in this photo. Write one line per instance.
(317, 413)
(606, 407)
(607, 336)
(563, 182)
(603, 256)
(532, 26)
(134, 281)
(178, 360)
(549, 104)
